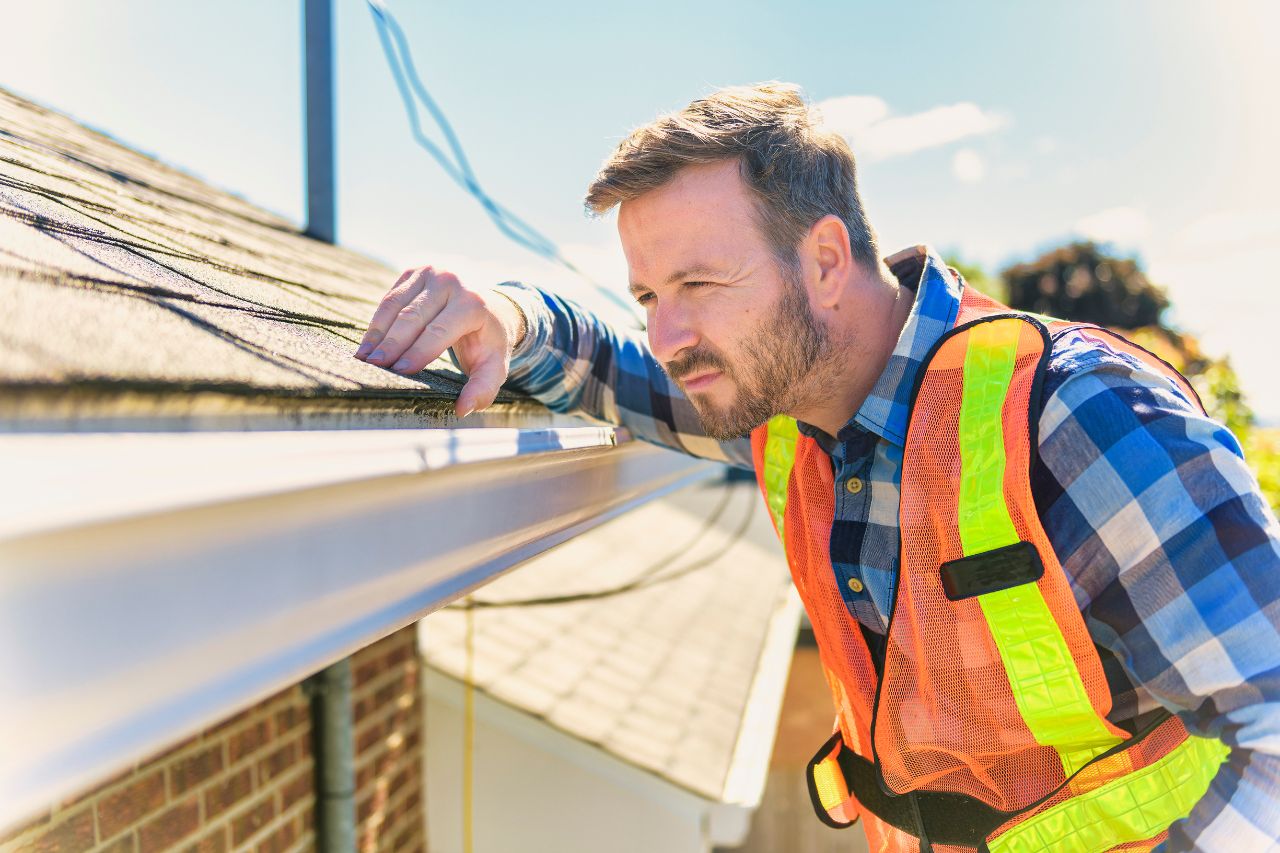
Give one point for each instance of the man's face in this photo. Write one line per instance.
(731, 325)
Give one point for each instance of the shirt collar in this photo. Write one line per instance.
(886, 410)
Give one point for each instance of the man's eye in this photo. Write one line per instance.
(643, 298)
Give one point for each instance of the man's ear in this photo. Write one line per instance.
(827, 260)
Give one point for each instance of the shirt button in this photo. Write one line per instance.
(853, 485)
(855, 585)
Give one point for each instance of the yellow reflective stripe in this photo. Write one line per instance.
(1042, 674)
(830, 784)
(988, 368)
(1134, 807)
(779, 459)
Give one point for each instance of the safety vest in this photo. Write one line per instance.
(985, 724)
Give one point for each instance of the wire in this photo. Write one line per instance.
(395, 47)
(648, 576)
(469, 739)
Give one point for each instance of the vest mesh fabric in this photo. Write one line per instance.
(949, 721)
(948, 718)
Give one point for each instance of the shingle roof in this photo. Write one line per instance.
(125, 280)
(660, 677)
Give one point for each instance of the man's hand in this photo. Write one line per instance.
(426, 312)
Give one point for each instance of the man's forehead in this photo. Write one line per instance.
(701, 222)
(697, 189)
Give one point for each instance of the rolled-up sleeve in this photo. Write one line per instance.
(573, 362)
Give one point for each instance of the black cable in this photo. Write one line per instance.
(395, 47)
(647, 577)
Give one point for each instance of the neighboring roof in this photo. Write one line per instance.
(682, 678)
(126, 279)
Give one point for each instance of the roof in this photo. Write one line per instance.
(197, 511)
(126, 279)
(671, 678)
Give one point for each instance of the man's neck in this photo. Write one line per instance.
(864, 333)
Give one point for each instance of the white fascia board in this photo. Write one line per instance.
(640, 782)
(152, 585)
(723, 823)
(730, 820)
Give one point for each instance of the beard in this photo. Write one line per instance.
(769, 373)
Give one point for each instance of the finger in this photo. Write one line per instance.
(411, 321)
(461, 315)
(483, 384)
(407, 286)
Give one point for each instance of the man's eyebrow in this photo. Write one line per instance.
(694, 272)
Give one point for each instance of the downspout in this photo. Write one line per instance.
(334, 756)
(330, 689)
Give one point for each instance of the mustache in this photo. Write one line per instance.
(696, 361)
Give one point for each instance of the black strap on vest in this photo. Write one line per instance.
(939, 817)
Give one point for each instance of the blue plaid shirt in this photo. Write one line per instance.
(1171, 551)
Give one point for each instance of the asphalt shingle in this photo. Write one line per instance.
(124, 278)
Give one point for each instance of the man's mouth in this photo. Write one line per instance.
(700, 381)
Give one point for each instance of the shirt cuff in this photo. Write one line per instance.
(538, 322)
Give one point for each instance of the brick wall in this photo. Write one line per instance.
(387, 714)
(247, 783)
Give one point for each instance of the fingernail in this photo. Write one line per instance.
(465, 412)
(378, 355)
(364, 350)
(402, 364)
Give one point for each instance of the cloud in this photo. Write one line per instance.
(1124, 226)
(1222, 230)
(865, 121)
(1046, 145)
(968, 167)
(1226, 300)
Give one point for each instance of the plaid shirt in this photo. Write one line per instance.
(1172, 553)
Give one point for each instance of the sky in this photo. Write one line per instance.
(991, 130)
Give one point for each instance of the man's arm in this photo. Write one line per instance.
(550, 348)
(1176, 556)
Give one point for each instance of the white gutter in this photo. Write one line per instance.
(151, 585)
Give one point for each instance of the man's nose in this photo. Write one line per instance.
(671, 332)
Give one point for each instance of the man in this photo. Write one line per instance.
(1043, 582)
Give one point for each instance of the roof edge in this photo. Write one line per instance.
(749, 767)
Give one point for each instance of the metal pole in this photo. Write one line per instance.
(318, 68)
(330, 689)
(330, 692)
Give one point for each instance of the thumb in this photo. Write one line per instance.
(484, 380)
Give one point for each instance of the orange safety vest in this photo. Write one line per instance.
(988, 727)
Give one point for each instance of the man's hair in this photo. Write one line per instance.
(798, 171)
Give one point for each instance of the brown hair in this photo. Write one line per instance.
(798, 171)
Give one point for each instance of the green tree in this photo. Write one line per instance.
(1080, 281)
(1263, 452)
(976, 276)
